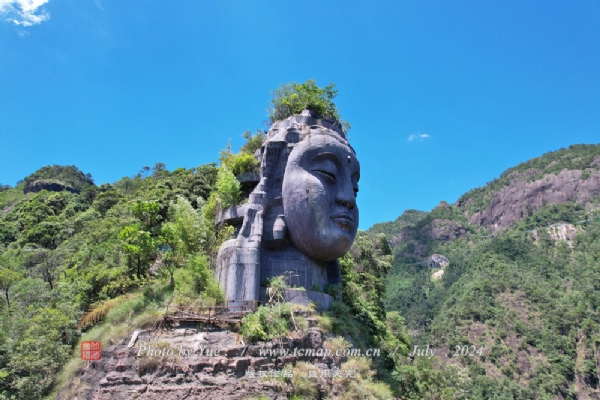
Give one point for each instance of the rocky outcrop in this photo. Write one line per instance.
(438, 261)
(437, 274)
(565, 232)
(194, 363)
(521, 197)
(49, 185)
(443, 230)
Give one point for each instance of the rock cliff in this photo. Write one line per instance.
(524, 195)
(188, 362)
(49, 185)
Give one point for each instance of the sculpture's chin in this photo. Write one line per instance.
(329, 246)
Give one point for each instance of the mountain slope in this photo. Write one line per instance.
(523, 292)
(556, 177)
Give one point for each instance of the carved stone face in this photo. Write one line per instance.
(319, 195)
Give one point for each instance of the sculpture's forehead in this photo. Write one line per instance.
(322, 141)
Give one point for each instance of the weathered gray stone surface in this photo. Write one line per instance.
(234, 215)
(300, 217)
(512, 201)
(438, 261)
(563, 231)
(51, 186)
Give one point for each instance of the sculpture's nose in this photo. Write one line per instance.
(346, 196)
(349, 204)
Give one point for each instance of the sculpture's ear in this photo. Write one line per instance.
(275, 232)
(279, 228)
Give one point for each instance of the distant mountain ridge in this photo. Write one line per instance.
(558, 177)
(522, 284)
(565, 175)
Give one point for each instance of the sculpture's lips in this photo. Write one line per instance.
(345, 220)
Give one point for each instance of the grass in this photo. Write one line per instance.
(151, 363)
(325, 322)
(99, 311)
(337, 345)
(304, 387)
(137, 311)
(354, 382)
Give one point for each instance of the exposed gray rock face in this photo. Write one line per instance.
(558, 232)
(300, 217)
(438, 261)
(443, 230)
(51, 186)
(438, 274)
(513, 201)
(208, 364)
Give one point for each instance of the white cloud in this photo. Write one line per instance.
(99, 4)
(418, 136)
(24, 12)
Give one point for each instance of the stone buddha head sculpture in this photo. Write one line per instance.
(300, 217)
(319, 191)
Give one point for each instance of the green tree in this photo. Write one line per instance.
(253, 142)
(42, 350)
(8, 279)
(45, 263)
(144, 171)
(184, 234)
(148, 212)
(107, 198)
(159, 170)
(242, 162)
(69, 175)
(138, 244)
(185, 231)
(227, 193)
(292, 98)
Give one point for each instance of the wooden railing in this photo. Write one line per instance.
(232, 311)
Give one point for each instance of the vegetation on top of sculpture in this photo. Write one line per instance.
(292, 98)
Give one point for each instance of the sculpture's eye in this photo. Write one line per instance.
(328, 174)
(326, 166)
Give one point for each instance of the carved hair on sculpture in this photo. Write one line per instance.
(301, 216)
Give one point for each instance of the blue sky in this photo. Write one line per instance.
(442, 96)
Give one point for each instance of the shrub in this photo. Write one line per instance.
(292, 98)
(226, 195)
(325, 322)
(253, 142)
(333, 290)
(252, 328)
(356, 381)
(244, 162)
(196, 283)
(267, 322)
